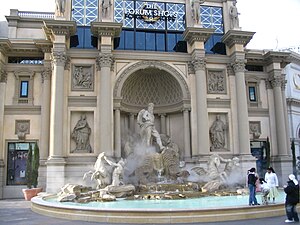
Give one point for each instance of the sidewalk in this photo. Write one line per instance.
(18, 212)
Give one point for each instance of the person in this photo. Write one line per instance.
(217, 133)
(234, 20)
(272, 181)
(145, 120)
(265, 189)
(291, 200)
(252, 177)
(81, 135)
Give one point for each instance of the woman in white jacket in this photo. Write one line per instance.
(272, 181)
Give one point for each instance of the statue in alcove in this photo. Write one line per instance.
(81, 135)
(217, 133)
(60, 7)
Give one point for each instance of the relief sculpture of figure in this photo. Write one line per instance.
(234, 19)
(81, 135)
(105, 8)
(60, 7)
(217, 133)
(145, 120)
(196, 11)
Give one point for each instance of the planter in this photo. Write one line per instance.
(30, 193)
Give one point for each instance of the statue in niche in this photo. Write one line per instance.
(217, 133)
(81, 135)
(82, 79)
(60, 7)
(196, 11)
(234, 19)
(145, 120)
(106, 4)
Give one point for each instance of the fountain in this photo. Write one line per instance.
(151, 185)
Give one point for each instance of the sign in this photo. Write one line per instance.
(151, 13)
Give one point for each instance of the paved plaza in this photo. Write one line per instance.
(18, 212)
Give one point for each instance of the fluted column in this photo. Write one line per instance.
(276, 83)
(201, 102)
(45, 111)
(283, 84)
(104, 102)
(117, 149)
(242, 107)
(186, 131)
(3, 80)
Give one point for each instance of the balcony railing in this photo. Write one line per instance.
(39, 15)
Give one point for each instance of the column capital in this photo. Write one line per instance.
(46, 74)
(3, 76)
(230, 70)
(59, 58)
(105, 60)
(199, 63)
(277, 81)
(238, 65)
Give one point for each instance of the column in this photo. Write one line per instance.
(186, 131)
(117, 152)
(242, 106)
(163, 127)
(131, 122)
(56, 161)
(104, 102)
(283, 85)
(201, 102)
(276, 83)
(3, 80)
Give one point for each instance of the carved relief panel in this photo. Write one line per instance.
(22, 127)
(216, 82)
(82, 78)
(255, 129)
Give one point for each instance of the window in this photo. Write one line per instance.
(252, 94)
(84, 11)
(16, 162)
(23, 87)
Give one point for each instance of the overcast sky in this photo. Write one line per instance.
(276, 22)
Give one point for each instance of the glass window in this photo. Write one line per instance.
(160, 42)
(252, 94)
(150, 41)
(24, 89)
(140, 41)
(129, 40)
(16, 162)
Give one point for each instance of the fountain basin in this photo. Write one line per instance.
(204, 209)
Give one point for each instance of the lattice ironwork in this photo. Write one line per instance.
(212, 17)
(84, 11)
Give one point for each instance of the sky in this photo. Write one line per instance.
(276, 22)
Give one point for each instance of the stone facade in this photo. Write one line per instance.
(109, 87)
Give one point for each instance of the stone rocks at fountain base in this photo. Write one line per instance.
(120, 191)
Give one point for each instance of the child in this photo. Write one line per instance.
(265, 190)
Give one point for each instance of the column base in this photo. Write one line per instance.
(55, 174)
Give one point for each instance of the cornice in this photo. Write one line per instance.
(258, 112)
(22, 110)
(293, 101)
(59, 27)
(44, 45)
(277, 57)
(192, 34)
(110, 29)
(5, 45)
(233, 37)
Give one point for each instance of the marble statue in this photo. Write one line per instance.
(234, 19)
(106, 4)
(196, 11)
(102, 171)
(118, 171)
(81, 135)
(60, 7)
(217, 133)
(145, 120)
